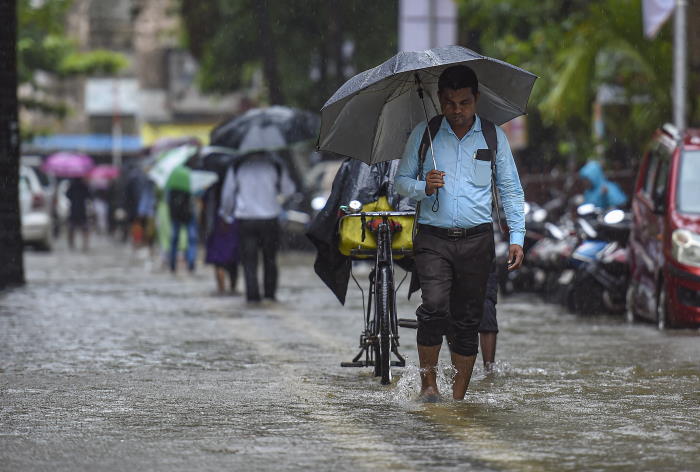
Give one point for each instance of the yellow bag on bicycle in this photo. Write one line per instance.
(350, 232)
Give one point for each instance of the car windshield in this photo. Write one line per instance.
(689, 183)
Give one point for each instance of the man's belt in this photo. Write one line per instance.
(455, 233)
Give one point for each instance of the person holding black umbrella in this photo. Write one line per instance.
(454, 246)
(251, 196)
(389, 108)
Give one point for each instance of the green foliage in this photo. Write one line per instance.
(43, 45)
(307, 37)
(95, 62)
(575, 47)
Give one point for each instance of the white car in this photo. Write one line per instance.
(34, 210)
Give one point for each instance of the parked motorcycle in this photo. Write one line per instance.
(522, 279)
(598, 274)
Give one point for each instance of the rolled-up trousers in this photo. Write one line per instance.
(453, 274)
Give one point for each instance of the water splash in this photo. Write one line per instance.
(408, 387)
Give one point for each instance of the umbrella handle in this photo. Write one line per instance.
(436, 203)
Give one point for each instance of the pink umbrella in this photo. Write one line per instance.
(101, 175)
(104, 172)
(68, 164)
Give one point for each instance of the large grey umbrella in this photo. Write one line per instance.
(266, 129)
(370, 117)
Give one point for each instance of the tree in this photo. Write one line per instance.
(43, 46)
(514, 31)
(607, 47)
(305, 48)
(11, 260)
(580, 46)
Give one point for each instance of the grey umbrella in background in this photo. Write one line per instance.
(370, 117)
(258, 130)
(266, 129)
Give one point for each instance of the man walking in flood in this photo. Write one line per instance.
(454, 246)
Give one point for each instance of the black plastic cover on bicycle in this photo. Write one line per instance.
(355, 180)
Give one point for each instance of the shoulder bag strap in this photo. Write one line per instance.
(489, 130)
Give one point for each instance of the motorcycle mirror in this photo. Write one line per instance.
(588, 229)
(554, 231)
(614, 217)
(585, 209)
(539, 215)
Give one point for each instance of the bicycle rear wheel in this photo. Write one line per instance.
(384, 305)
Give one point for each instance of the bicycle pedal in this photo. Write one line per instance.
(408, 323)
(398, 363)
(353, 364)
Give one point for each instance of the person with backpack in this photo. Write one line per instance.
(250, 195)
(454, 245)
(182, 215)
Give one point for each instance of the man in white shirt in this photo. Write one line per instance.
(250, 194)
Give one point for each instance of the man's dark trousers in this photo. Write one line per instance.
(255, 235)
(453, 272)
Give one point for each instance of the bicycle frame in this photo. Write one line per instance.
(380, 336)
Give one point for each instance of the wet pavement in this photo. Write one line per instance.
(109, 363)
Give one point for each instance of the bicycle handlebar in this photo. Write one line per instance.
(382, 213)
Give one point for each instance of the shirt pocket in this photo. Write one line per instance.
(482, 172)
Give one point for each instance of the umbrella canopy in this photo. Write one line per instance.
(168, 161)
(104, 172)
(188, 180)
(102, 175)
(370, 117)
(68, 164)
(266, 129)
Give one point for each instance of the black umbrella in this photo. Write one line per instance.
(266, 129)
(370, 117)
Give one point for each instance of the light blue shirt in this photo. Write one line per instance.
(465, 200)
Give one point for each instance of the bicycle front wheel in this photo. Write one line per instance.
(383, 306)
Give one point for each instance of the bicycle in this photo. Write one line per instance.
(380, 337)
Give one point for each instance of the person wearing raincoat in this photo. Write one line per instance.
(600, 192)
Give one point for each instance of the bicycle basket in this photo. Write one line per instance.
(350, 232)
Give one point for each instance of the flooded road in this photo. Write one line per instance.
(109, 363)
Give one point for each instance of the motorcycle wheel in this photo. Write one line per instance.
(587, 296)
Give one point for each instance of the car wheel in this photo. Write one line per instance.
(662, 309)
(630, 315)
(45, 244)
(587, 295)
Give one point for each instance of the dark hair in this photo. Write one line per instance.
(458, 77)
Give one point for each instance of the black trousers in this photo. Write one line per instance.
(259, 235)
(453, 274)
(489, 323)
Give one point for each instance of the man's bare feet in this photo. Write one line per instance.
(463, 366)
(428, 359)
(429, 395)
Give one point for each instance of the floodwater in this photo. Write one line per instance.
(109, 363)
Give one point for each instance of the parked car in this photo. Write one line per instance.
(665, 237)
(35, 210)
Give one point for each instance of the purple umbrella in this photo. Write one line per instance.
(68, 164)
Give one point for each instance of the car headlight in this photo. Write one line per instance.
(685, 247)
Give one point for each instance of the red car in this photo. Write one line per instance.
(665, 238)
